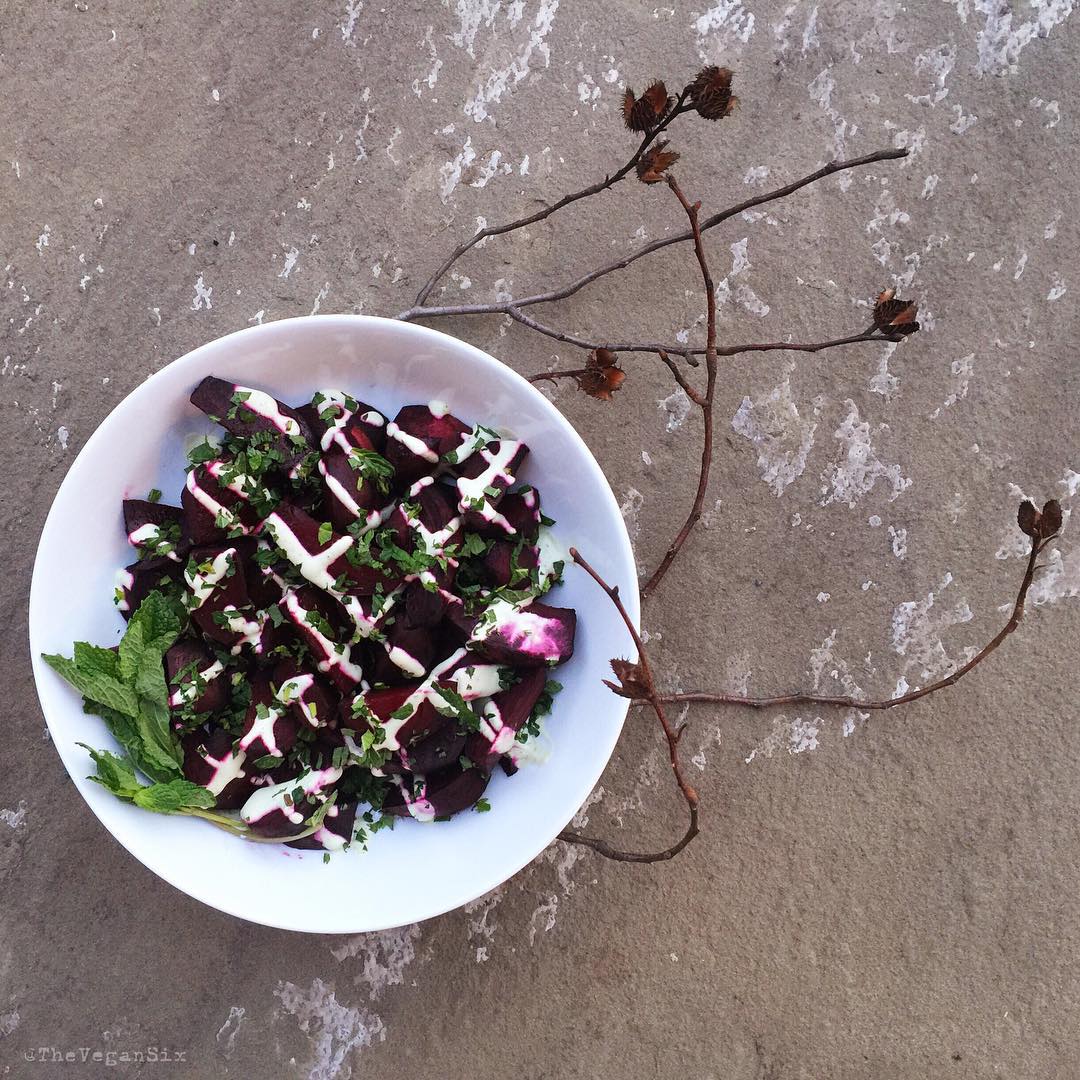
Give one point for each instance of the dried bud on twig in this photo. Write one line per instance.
(645, 112)
(895, 316)
(631, 682)
(655, 163)
(711, 95)
(602, 375)
(1040, 524)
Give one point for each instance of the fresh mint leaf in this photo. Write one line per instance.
(114, 773)
(154, 495)
(174, 796)
(326, 530)
(95, 685)
(482, 806)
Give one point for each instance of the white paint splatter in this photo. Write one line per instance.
(15, 819)
(450, 172)
(917, 626)
(543, 918)
(203, 293)
(757, 174)
(630, 508)
(43, 240)
(336, 1031)
(782, 437)
(796, 736)
(230, 1029)
(1002, 39)
(352, 14)
(722, 28)
(898, 538)
(884, 382)
(499, 79)
(62, 435)
(385, 956)
(9, 1021)
(1057, 290)
(855, 474)
(291, 257)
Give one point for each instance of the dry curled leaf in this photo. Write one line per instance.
(710, 93)
(1051, 518)
(895, 316)
(602, 375)
(632, 683)
(645, 112)
(1027, 517)
(655, 162)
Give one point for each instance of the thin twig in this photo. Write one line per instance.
(705, 403)
(670, 734)
(419, 311)
(555, 376)
(680, 378)
(1037, 547)
(566, 200)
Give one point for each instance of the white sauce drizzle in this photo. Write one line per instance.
(203, 582)
(262, 404)
(426, 691)
(211, 505)
(313, 567)
(292, 691)
(419, 807)
(190, 691)
(226, 770)
(501, 737)
(339, 656)
(263, 728)
(411, 443)
(268, 799)
(339, 491)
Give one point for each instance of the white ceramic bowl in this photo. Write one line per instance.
(415, 871)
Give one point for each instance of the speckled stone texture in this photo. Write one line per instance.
(879, 898)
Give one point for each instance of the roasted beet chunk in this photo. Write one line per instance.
(418, 437)
(438, 751)
(414, 719)
(338, 419)
(336, 832)
(447, 792)
(350, 494)
(244, 411)
(154, 528)
(309, 698)
(518, 516)
(423, 607)
(284, 809)
(209, 760)
(218, 597)
(483, 481)
(213, 510)
(407, 652)
(323, 625)
(269, 728)
(197, 682)
(137, 581)
(534, 635)
(508, 564)
(503, 717)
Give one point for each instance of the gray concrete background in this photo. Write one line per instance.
(894, 897)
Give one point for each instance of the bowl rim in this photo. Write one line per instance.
(620, 544)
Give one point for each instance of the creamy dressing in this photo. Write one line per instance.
(405, 662)
(550, 551)
(366, 624)
(411, 443)
(501, 736)
(203, 582)
(190, 691)
(477, 681)
(263, 728)
(268, 799)
(150, 535)
(339, 656)
(262, 404)
(314, 567)
(226, 770)
(334, 432)
(471, 489)
(292, 691)
(438, 409)
(471, 441)
(250, 630)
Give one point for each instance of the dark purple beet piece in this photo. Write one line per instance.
(141, 512)
(515, 706)
(312, 613)
(536, 635)
(215, 692)
(215, 397)
(423, 720)
(449, 792)
(439, 434)
(520, 510)
(201, 518)
(499, 564)
(405, 645)
(205, 755)
(438, 751)
(340, 820)
(339, 477)
(364, 427)
(316, 703)
(422, 606)
(229, 592)
(143, 577)
(267, 729)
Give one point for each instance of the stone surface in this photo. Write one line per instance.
(894, 897)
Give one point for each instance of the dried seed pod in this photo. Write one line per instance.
(710, 93)
(1027, 517)
(655, 162)
(602, 376)
(1050, 523)
(645, 112)
(895, 316)
(632, 683)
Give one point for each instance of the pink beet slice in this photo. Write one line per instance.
(536, 635)
(348, 497)
(209, 756)
(289, 431)
(515, 705)
(417, 438)
(193, 692)
(449, 792)
(340, 820)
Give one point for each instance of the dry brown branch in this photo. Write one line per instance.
(642, 676)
